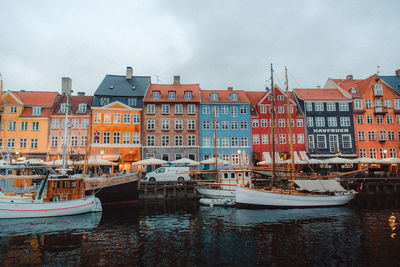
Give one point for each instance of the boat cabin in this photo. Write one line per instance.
(64, 188)
(231, 178)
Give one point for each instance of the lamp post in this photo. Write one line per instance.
(240, 159)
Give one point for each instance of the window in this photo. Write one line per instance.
(188, 95)
(75, 124)
(320, 121)
(127, 118)
(263, 109)
(106, 138)
(321, 141)
(136, 118)
(343, 106)
(107, 117)
(368, 103)
(165, 125)
(360, 119)
(207, 141)
(13, 109)
(172, 95)
(379, 119)
(96, 117)
(216, 125)
(178, 109)
(96, 137)
(216, 111)
(233, 97)
(382, 153)
(205, 109)
(264, 123)
(82, 108)
(391, 135)
(319, 106)
(310, 122)
(151, 109)
(117, 118)
(234, 125)
(397, 103)
(156, 95)
(358, 104)
(281, 97)
(308, 106)
(191, 109)
(370, 119)
(281, 109)
(12, 125)
(178, 125)
(10, 142)
(63, 123)
(235, 159)
(136, 138)
(389, 119)
(63, 108)
(363, 153)
(83, 140)
(224, 109)
(256, 139)
(300, 138)
(214, 96)
(372, 153)
(206, 125)
(393, 153)
(311, 144)
(345, 121)
(85, 123)
(281, 122)
(225, 141)
(332, 122)
(34, 143)
(24, 125)
(299, 123)
(234, 141)
(388, 103)
(226, 158)
(346, 141)
(116, 138)
(37, 111)
(150, 140)
(165, 109)
(22, 142)
(333, 143)
(191, 140)
(264, 139)
(243, 109)
(74, 141)
(282, 139)
(35, 126)
(378, 89)
(371, 135)
(243, 125)
(382, 135)
(378, 103)
(103, 101)
(234, 111)
(255, 123)
(244, 141)
(330, 106)
(54, 124)
(398, 119)
(361, 136)
(151, 125)
(191, 125)
(165, 140)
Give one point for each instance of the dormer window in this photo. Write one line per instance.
(36, 111)
(156, 95)
(13, 109)
(378, 91)
(82, 108)
(214, 96)
(188, 95)
(63, 108)
(352, 90)
(171, 95)
(132, 101)
(281, 97)
(233, 97)
(104, 101)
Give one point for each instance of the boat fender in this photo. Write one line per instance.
(352, 191)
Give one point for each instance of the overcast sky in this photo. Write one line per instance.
(214, 43)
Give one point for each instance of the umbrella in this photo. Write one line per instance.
(97, 161)
(212, 161)
(315, 161)
(150, 161)
(186, 161)
(58, 162)
(392, 160)
(368, 161)
(338, 160)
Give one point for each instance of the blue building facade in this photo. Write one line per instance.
(231, 110)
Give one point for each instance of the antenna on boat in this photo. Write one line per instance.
(215, 143)
(289, 113)
(273, 124)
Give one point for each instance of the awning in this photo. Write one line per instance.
(332, 155)
(319, 185)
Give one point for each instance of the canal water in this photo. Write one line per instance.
(365, 233)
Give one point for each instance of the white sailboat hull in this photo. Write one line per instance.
(248, 197)
(18, 209)
(217, 193)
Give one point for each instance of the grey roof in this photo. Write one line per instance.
(392, 81)
(123, 87)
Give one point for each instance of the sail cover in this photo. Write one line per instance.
(319, 185)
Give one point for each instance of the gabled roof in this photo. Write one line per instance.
(223, 96)
(118, 85)
(36, 99)
(74, 101)
(348, 85)
(320, 94)
(392, 81)
(255, 97)
(178, 89)
(115, 105)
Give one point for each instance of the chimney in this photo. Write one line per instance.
(397, 72)
(129, 73)
(230, 88)
(66, 84)
(349, 77)
(81, 93)
(318, 86)
(177, 80)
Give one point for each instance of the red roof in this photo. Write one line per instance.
(179, 90)
(320, 94)
(255, 97)
(74, 101)
(347, 85)
(36, 99)
(223, 96)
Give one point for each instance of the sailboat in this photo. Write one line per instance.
(299, 192)
(58, 195)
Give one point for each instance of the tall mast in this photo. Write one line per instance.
(289, 113)
(64, 161)
(88, 142)
(215, 144)
(273, 124)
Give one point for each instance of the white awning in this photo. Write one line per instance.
(319, 185)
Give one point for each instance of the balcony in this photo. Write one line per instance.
(396, 110)
(380, 110)
(359, 110)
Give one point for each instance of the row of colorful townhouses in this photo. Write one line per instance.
(130, 118)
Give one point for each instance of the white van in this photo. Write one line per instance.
(169, 174)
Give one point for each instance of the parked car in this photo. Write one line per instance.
(169, 174)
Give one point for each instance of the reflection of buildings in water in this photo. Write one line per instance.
(392, 224)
